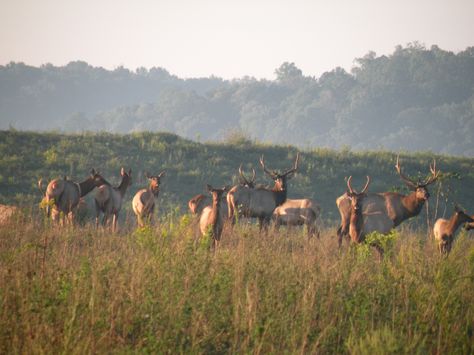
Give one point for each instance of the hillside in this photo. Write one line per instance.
(416, 99)
(26, 157)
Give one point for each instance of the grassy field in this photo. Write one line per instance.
(160, 290)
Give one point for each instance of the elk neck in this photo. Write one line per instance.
(122, 188)
(411, 207)
(86, 186)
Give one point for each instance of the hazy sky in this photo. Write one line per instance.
(229, 39)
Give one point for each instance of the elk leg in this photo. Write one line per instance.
(114, 223)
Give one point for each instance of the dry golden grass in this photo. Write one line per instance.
(160, 290)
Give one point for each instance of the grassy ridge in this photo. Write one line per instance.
(25, 157)
(159, 290)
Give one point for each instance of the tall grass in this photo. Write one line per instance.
(160, 290)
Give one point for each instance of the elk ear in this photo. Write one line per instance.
(457, 208)
(122, 171)
(209, 188)
(129, 172)
(92, 172)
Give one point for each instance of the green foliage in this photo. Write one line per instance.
(86, 290)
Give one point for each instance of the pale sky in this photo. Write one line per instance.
(229, 39)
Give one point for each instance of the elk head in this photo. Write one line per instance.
(354, 196)
(155, 182)
(126, 177)
(419, 187)
(244, 181)
(280, 178)
(217, 193)
(97, 179)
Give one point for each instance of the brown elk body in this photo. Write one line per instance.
(384, 211)
(108, 199)
(445, 229)
(64, 195)
(143, 202)
(212, 219)
(260, 202)
(298, 212)
(356, 220)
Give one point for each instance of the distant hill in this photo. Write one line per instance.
(26, 157)
(415, 99)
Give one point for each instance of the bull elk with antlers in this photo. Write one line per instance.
(445, 229)
(260, 202)
(108, 199)
(64, 194)
(385, 211)
(143, 202)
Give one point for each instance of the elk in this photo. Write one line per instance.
(108, 199)
(64, 195)
(199, 202)
(445, 229)
(356, 221)
(385, 211)
(212, 219)
(297, 213)
(143, 202)
(260, 202)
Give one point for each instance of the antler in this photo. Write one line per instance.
(409, 182)
(354, 192)
(262, 163)
(292, 170)
(245, 180)
(434, 174)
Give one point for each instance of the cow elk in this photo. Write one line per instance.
(62, 195)
(199, 202)
(445, 229)
(297, 213)
(143, 202)
(211, 219)
(108, 199)
(385, 211)
(260, 202)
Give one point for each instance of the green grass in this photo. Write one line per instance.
(160, 290)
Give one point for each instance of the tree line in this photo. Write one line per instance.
(416, 98)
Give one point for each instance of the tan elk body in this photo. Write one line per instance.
(143, 202)
(199, 202)
(298, 212)
(260, 202)
(445, 229)
(212, 219)
(64, 195)
(108, 199)
(384, 211)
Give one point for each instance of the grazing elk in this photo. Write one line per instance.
(260, 202)
(108, 199)
(212, 219)
(64, 194)
(143, 202)
(385, 211)
(445, 229)
(297, 213)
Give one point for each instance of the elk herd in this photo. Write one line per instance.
(361, 212)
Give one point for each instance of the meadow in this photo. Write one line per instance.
(160, 289)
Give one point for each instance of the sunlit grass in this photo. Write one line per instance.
(159, 289)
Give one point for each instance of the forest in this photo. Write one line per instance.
(414, 99)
